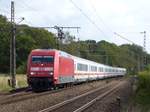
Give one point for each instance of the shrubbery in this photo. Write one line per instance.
(143, 91)
(21, 69)
(144, 80)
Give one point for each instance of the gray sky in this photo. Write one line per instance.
(98, 19)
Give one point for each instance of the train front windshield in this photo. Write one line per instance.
(42, 59)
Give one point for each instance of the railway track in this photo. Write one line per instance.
(16, 91)
(25, 95)
(84, 101)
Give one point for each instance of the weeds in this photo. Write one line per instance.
(142, 97)
(21, 82)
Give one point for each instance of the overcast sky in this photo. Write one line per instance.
(98, 19)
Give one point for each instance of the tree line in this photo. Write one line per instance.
(29, 38)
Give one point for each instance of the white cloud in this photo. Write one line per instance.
(116, 15)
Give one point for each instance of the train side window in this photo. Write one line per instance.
(93, 68)
(79, 68)
(99, 69)
(82, 67)
(86, 67)
(110, 70)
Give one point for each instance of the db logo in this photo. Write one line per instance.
(41, 69)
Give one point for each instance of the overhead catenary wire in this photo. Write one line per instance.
(99, 17)
(94, 9)
(4, 11)
(88, 18)
(124, 38)
(25, 5)
(33, 10)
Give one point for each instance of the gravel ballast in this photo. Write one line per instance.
(39, 103)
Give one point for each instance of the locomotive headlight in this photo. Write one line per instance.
(32, 73)
(51, 73)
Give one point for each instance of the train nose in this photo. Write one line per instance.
(39, 84)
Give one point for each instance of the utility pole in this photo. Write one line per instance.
(60, 33)
(144, 49)
(79, 54)
(13, 47)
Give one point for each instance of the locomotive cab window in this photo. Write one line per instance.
(42, 59)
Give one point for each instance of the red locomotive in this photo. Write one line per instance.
(51, 68)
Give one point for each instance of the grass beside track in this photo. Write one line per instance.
(21, 82)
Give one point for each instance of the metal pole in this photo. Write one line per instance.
(107, 59)
(13, 47)
(138, 62)
(144, 49)
(144, 44)
(60, 33)
(79, 47)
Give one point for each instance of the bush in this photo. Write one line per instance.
(148, 68)
(144, 80)
(21, 69)
(142, 96)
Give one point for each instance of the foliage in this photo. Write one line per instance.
(143, 92)
(142, 100)
(22, 68)
(29, 38)
(144, 79)
(147, 68)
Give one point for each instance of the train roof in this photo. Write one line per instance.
(44, 50)
(65, 54)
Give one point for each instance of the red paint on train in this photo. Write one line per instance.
(66, 66)
(48, 64)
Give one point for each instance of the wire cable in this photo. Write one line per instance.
(25, 5)
(4, 11)
(124, 38)
(99, 17)
(88, 18)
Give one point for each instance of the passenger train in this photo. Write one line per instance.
(49, 68)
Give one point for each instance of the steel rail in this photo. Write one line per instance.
(27, 95)
(54, 107)
(87, 105)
